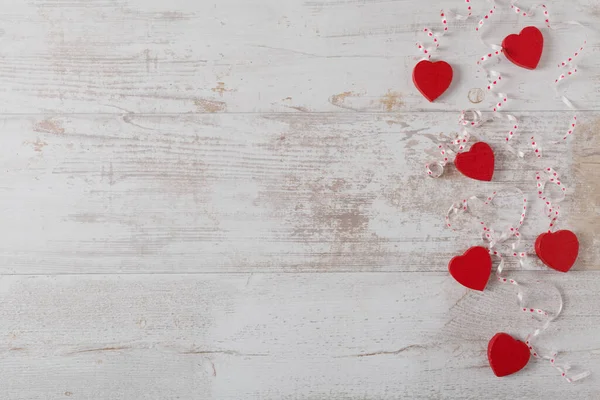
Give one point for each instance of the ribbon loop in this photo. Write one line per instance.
(494, 238)
(484, 228)
(551, 207)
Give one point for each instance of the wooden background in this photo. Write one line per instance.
(226, 200)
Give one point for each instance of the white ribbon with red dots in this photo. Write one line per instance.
(495, 77)
(435, 36)
(530, 13)
(552, 211)
(494, 238)
(452, 146)
(551, 357)
(551, 207)
(570, 67)
(487, 233)
(473, 119)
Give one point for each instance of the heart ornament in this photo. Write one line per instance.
(507, 355)
(432, 78)
(524, 49)
(472, 269)
(558, 250)
(477, 163)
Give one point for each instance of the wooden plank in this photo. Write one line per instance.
(174, 165)
(272, 336)
(269, 192)
(249, 56)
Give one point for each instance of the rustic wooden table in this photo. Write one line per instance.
(226, 200)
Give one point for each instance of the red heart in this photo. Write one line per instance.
(558, 250)
(477, 163)
(507, 355)
(472, 269)
(524, 49)
(432, 78)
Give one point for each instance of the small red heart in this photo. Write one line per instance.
(477, 163)
(506, 354)
(432, 78)
(558, 250)
(472, 269)
(524, 49)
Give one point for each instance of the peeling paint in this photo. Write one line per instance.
(210, 106)
(49, 126)
(391, 101)
(585, 214)
(220, 89)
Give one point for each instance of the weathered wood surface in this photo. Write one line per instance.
(273, 336)
(267, 192)
(227, 200)
(265, 55)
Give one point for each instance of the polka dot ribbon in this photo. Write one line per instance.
(451, 146)
(544, 178)
(434, 37)
(487, 233)
(551, 357)
(551, 206)
(474, 119)
(494, 239)
(495, 78)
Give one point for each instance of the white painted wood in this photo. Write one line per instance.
(272, 336)
(169, 166)
(267, 55)
(267, 192)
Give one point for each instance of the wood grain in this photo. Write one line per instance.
(250, 56)
(272, 336)
(266, 192)
(227, 200)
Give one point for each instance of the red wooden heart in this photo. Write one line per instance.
(524, 49)
(432, 78)
(472, 269)
(477, 163)
(507, 355)
(558, 250)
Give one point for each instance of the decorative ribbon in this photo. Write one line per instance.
(487, 232)
(473, 119)
(552, 211)
(494, 79)
(495, 238)
(531, 11)
(568, 64)
(487, 16)
(551, 208)
(537, 150)
(435, 36)
(552, 355)
(452, 146)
